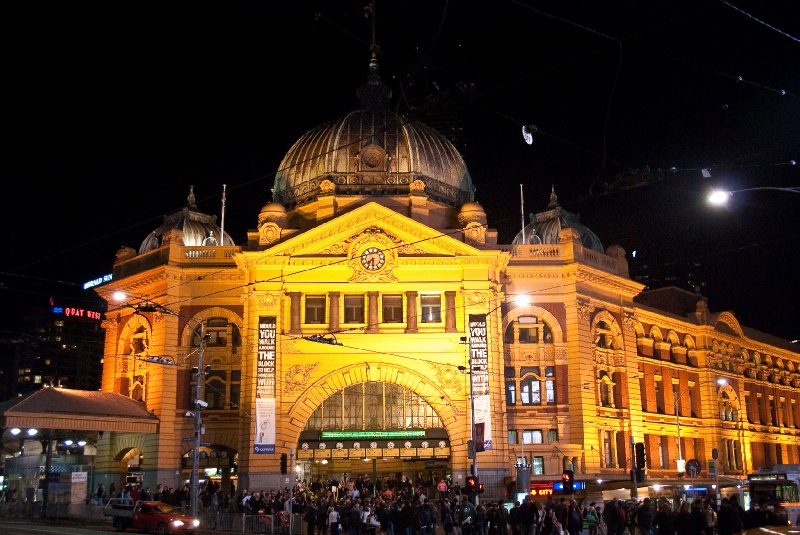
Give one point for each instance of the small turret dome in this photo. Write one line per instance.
(197, 228)
(545, 227)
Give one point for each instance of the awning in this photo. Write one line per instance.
(77, 410)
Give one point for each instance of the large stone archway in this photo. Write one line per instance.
(440, 447)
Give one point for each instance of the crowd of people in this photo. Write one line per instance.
(434, 506)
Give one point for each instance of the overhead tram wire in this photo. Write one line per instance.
(233, 187)
(313, 268)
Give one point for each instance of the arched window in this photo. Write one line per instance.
(606, 390)
(374, 405)
(604, 336)
(223, 372)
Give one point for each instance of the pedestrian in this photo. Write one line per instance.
(333, 520)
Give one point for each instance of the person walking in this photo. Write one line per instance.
(333, 520)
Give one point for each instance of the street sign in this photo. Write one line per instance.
(576, 485)
(692, 467)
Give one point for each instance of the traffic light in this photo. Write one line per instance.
(641, 459)
(284, 464)
(568, 477)
(472, 485)
(480, 488)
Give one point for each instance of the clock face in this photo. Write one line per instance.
(373, 259)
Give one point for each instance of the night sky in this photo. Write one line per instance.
(113, 109)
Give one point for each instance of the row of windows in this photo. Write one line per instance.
(532, 436)
(354, 308)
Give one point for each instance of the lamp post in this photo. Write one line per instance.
(146, 305)
(719, 197)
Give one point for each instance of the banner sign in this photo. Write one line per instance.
(479, 375)
(265, 385)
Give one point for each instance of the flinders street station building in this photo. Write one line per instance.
(372, 324)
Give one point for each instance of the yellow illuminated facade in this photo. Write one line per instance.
(370, 262)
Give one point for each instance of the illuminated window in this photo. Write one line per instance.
(374, 405)
(431, 306)
(549, 386)
(512, 436)
(530, 391)
(315, 309)
(532, 436)
(511, 392)
(392, 308)
(537, 466)
(354, 309)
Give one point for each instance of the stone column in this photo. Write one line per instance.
(294, 313)
(411, 320)
(333, 312)
(449, 312)
(372, 312)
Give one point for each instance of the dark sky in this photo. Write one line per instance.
(112, 109)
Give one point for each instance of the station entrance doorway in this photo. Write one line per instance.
(373, 431)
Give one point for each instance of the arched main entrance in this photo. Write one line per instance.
(375, 430)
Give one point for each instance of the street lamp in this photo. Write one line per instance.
(719, 197)
(148, 306)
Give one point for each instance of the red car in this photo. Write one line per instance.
(150, 516)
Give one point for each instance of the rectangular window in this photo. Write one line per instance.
(530, 393)
(538, 466)
(608, 448)
(354, 309)
(511, 393)
(315, 309)
(550, 391)
(431, 306)
(532, 436)
(552, 436)
(392, 308)
(659, 391)
(528, 335)
(512, 436)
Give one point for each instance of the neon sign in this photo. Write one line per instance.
(98, 280)
(541, 489)
(72, 312)
(411, 433)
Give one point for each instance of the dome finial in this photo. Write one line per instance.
(190, 200)
(553, 197)
(374, 94)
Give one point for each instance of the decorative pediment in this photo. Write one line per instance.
(400, 234)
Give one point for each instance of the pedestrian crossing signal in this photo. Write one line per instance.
(284, 464)
(472, 485)
(568, 477)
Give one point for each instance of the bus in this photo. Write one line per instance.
(777, 494)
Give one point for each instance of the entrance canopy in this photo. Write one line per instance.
(78, 410)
